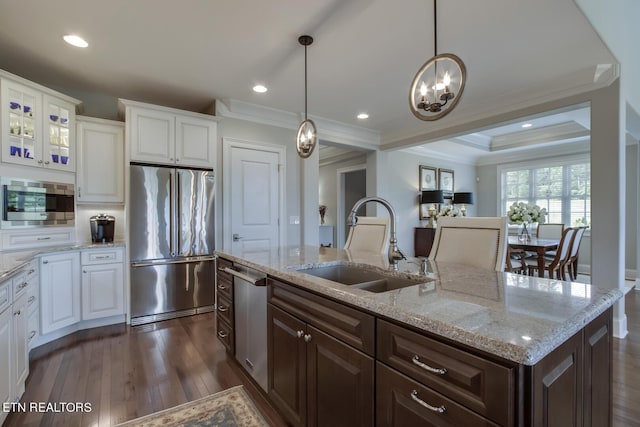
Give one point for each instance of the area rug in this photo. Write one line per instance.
(228, 408)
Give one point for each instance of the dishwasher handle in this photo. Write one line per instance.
(256, 281)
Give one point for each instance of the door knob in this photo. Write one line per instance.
(236, 237)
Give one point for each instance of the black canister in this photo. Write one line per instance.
(102, 228)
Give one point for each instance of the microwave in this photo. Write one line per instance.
(28, 203)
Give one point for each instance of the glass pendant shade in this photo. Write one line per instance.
(437, 87)
(306, 138)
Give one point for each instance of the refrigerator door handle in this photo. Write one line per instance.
(172, 242)
(175, 261)
(178, 223)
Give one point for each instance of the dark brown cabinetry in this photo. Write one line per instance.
(224, 293)
(423, 240)
(316, 379)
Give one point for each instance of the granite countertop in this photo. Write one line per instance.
(12, 261)
(516, 317)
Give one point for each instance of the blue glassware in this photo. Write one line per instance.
(64, 120)
(27, 110)
(54, 157)
(53, 118)
(14, 105)
(64, 159)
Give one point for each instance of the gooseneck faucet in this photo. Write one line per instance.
(395, 254)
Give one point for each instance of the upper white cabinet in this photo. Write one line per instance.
(168, 136)
(38, 125)
(100, 167)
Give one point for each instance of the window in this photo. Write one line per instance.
(563, 189)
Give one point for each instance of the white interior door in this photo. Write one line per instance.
(254, 196)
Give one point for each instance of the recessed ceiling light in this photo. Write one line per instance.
(74, 40)
(363, 116)
(260, 88)
(527, 125)
(526, 337)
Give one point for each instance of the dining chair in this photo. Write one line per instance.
(514, 261)
(550, 231)
(572, 262)
(370, 234)
(556, 263)
(479, 242)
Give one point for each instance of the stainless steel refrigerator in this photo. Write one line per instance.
(171, 237)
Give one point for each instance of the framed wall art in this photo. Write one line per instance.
(445, 179)
(428, 178)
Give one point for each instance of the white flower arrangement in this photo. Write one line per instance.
(523, 213)
(448, 210)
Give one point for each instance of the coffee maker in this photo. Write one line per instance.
(102, 228)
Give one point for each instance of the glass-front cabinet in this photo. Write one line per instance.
(21, 124)
(38, 129)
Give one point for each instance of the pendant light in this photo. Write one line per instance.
(306, 138)
(438, 84)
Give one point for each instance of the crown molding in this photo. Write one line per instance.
(433, 154)
(580, 146)
(329, 130)
(552, 133)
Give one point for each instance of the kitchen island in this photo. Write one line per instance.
(519, 350)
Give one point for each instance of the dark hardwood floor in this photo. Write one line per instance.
(126, 372)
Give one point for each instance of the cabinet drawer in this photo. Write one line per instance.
(32, 297)
(36, 238)
(222, 264)
(19, 285)
(225, 309)
(401, 402)
(477, 383)
(224, 280)
(33, 327)
(345, 323)
(102, 256)
(225, 335)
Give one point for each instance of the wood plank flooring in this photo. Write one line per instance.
(126, 372)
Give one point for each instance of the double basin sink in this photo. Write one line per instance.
(362, 277)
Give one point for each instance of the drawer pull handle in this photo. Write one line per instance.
(43, 238)
(300, 333)
(222, 309)
(22, 285)
(31, 335)
(222, 287)
(45, 262)
(31, 299)
(307, 338)
(223, 334)
(17, 313)
(439, 409)
(416, 361)
(31, 271)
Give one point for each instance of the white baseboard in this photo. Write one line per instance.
(85, 324)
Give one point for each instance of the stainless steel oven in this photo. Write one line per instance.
(36, 203)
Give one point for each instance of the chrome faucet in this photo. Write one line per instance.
(395, 254)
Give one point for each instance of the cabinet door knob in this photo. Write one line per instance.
(300, 333)
(222, 287)
(222, 309)
(439, 409)
(84, 271)
(307, 338)
(45, 262)
(46, 162)
(40, 161)
(222, 334)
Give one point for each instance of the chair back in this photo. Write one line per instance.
(478, 242)
(370, 234)
(575, 244)
(564, 247)
(550, 231)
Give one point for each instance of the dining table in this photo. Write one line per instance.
(533, 244)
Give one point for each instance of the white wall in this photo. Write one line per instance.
(84, 212)
(328, 186)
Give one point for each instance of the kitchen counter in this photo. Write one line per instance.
(515, 317)
(11, 261)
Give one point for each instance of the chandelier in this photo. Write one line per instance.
(306, 138)
(438, 84)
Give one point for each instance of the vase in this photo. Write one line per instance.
(523, 233)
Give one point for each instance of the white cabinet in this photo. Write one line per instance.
(38, 125)
(6, 345)
(20, 357)
(168, 136)
(59, 291)
(102, 283)
(36, 237)
(100, 167)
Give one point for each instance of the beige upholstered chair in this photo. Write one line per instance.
(550, 231)
(479, 242)
(371, 234)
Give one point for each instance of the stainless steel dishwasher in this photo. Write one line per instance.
(250, 306)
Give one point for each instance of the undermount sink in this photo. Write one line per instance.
(361, 277)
